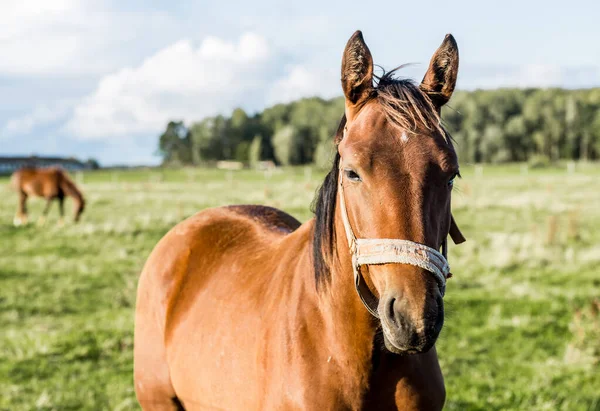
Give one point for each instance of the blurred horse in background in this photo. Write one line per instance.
(50, 183)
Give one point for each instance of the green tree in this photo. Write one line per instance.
(242, 152)
(255, 151)
(287, 145)
(324, 154)
(487, 126)
(92, 163)
(174, 144)
(205, 145)
(516, 139)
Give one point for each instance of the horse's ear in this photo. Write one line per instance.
(455, 233)
(440, 79)
(357, 70)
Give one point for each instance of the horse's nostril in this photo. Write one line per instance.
(391, 312)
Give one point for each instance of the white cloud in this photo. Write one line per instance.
(302, 81)
(184, 82)
(41, 115)
(179, 81)
(12, 10)
(31, 37)
(48, 37)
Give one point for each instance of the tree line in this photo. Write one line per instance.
(488, 126)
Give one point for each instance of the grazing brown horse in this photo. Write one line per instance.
(50, 183)
(244, 308)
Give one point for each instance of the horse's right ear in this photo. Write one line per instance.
(357, 71)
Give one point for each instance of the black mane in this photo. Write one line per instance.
(324, 209)
(324, 230)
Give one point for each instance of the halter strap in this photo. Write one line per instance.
(368, 251)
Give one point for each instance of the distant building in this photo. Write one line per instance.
(230, 165)
(266, 165)
(10, 164)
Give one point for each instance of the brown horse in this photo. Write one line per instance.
(50, 183)
(244, 308)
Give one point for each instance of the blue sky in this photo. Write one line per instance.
(100, 78)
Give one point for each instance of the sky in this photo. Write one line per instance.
(101, 78)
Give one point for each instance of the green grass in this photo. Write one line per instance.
(522, 330)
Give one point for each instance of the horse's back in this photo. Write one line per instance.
(201, 268)
(44, 182)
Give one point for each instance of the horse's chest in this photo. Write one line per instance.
(413, 382)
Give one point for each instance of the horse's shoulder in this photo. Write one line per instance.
(169, 261)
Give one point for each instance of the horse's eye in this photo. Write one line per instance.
(351, 175)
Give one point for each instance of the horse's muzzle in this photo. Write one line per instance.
(406, 332)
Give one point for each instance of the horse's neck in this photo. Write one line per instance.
(348, 328)
(71, 191)
(77, 197)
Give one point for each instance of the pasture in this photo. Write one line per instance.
(522, 326)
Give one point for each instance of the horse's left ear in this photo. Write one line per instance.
(455, 233)
(440, 79)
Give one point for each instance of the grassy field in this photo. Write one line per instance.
(522, 328)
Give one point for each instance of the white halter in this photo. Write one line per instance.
(366, 251)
